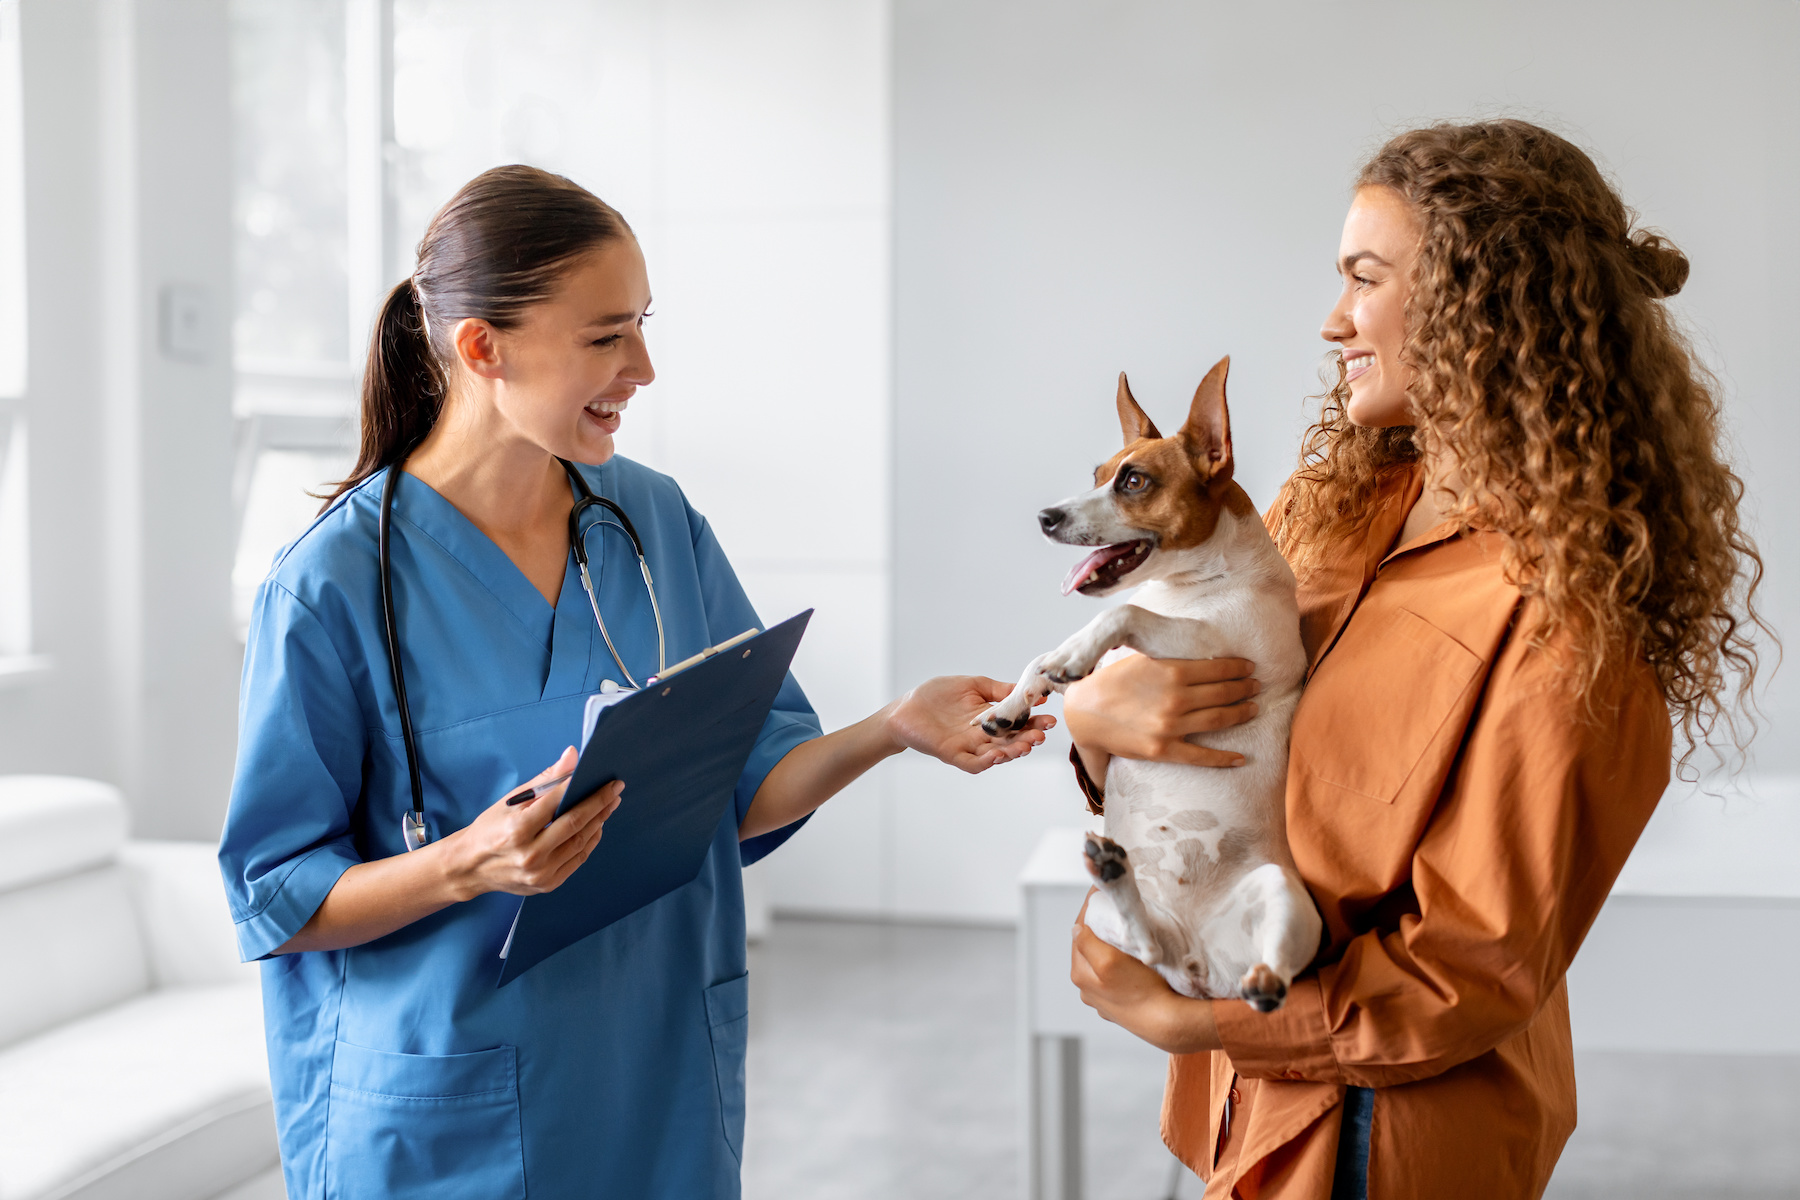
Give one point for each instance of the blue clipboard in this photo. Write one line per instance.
(680, 745)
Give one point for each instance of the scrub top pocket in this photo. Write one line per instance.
(405, 1126)
(728, 1019)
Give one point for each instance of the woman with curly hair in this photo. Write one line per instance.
(1522, 568)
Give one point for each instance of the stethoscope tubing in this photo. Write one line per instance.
(393, 645)
(578, 543)
(413, 826)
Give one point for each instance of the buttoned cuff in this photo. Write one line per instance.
(1293, 1042)
(1093, 792)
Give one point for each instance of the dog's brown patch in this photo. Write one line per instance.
(1195, 463)
(1239, 504)
(1200, 868)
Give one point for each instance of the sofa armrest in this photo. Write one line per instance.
(182, 911)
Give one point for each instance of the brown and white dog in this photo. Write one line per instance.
(1194, 874)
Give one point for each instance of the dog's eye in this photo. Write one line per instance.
(1134, 481)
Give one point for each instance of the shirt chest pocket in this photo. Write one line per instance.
(1380, 699)
(424, 1125)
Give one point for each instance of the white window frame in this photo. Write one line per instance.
(17, 661)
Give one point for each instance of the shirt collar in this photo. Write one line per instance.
(1334, 587)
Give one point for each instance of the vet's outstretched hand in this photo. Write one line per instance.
(934, 718)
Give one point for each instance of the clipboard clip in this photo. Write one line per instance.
(697, 659)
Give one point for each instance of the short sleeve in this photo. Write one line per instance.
(792, 720)
(301, 747)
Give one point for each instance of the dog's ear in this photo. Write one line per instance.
(1207, 433)
(1132, 419)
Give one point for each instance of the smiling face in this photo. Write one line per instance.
(1368, 323)
(562, 376)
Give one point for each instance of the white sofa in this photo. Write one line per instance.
(131, 1044)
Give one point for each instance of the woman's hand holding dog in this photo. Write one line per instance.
(1135, 998)
(1145, 708)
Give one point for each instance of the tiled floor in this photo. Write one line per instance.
(882, 1067)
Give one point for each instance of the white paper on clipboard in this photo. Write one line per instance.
(599, 702)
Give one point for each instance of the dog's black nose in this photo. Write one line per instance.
(1050, 518)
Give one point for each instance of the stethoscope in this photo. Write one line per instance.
(413, 823)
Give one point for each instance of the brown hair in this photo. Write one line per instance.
(1584, 427)
(499, 246)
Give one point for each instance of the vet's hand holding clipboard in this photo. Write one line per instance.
(422, 654)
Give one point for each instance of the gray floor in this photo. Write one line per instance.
(882, 1065)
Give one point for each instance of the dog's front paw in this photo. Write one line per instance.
(1005, 717)
(1262, 989)
(1106, 859)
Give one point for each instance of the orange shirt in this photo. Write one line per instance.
(1460, 824)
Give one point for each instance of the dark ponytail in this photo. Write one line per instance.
(498, 247)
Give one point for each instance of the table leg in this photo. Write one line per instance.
(1053, 1122)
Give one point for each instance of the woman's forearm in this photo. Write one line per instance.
(373, 899)
(1147, 708)
(940, 717)
(815, 771)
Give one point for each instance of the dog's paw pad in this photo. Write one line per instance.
(1262, 989)
(995, 722)
(1106, 860)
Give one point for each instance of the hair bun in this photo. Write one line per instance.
(1662, 267)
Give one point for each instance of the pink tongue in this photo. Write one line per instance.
(1078, 575)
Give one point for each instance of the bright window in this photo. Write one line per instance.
(289, 204)
(297, 332)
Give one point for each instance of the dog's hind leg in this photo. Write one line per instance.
(1286, 937)
(1116, 914)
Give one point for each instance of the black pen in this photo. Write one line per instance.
(532, 793)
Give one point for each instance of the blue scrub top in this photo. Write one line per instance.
(612, 1069)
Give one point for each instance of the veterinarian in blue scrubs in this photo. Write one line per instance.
(615, 1068)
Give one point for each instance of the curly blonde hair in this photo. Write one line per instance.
(1584, 428)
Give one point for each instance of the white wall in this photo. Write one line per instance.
(769, 260)
(126, 114)
(1082, 189)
